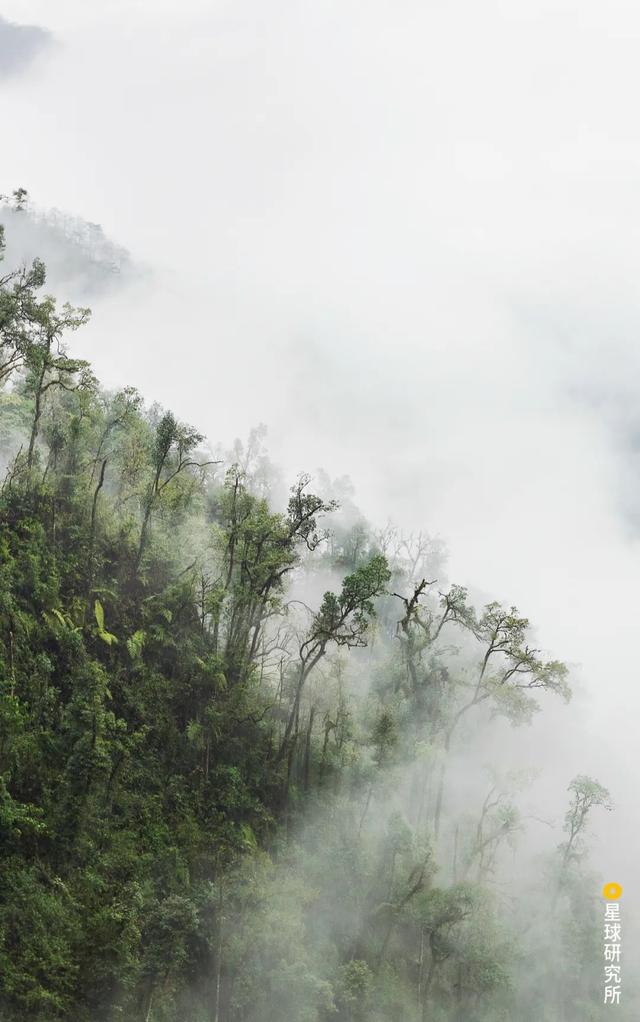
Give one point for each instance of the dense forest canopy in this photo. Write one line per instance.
(231, 731)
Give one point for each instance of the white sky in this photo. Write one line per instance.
(406, 236)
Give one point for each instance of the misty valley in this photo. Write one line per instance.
(260, 759)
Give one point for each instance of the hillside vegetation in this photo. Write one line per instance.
(232, 729)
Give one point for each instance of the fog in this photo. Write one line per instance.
(418, 224)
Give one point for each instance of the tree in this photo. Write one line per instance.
(47, 363)
(173, 445)
(499, 821)
(508, 672)
(585, 795)
(259, 550)
(18, 313)
(343, 620)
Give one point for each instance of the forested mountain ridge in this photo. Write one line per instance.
(227, 733)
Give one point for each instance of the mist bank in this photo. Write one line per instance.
(257, 754)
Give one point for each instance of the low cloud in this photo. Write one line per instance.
(20, 45)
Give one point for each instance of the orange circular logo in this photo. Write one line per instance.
(612, 892)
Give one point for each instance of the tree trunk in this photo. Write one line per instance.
(439, 799)
(36, 418)
(307, 752)
(420, 970)
(216, 1016)
(427, 989)
(92, 526)
(147, 1015)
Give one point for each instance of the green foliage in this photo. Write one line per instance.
(102, 632)
(172, 724)
(585, 795)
